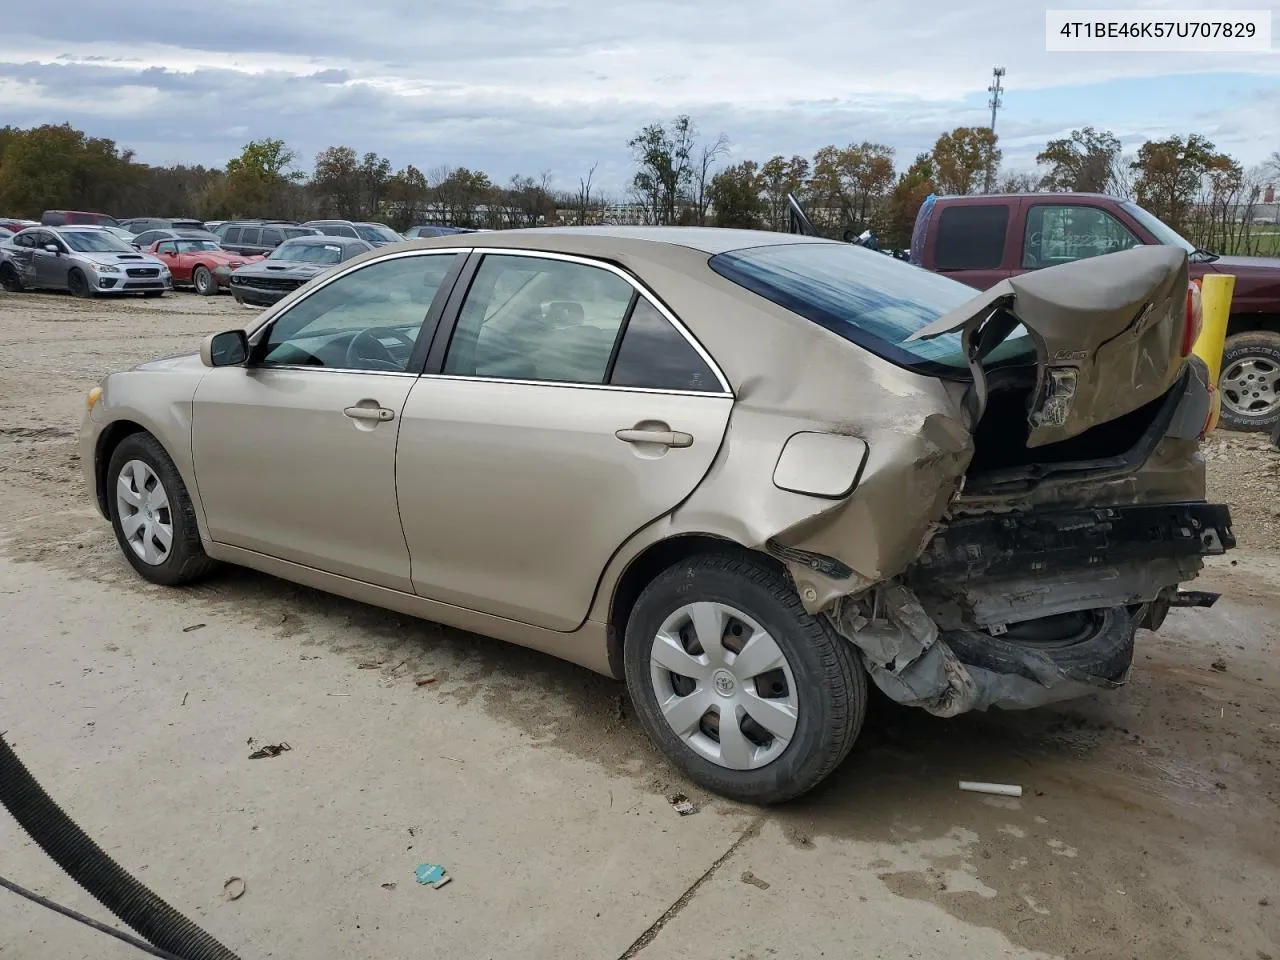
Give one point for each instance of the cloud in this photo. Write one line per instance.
(525, 85)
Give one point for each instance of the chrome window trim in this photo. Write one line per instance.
(572, 385)
(270, 315)
(314, 369)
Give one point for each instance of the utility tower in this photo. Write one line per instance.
(995, 103)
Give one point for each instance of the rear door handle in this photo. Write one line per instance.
(666, 438)
(381, 414)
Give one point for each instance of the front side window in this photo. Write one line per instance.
(656, 355)
(1061, 233)
(250, 235)
(167, 247)
(195, 246)
(971, 236)
(530, 318)
(367, 320)
(271, 236)
(232, 235)
(865, 297)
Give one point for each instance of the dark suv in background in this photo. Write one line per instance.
(249, 237)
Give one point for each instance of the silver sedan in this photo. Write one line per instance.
(86, 261)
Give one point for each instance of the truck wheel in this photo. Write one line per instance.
(1250, 383)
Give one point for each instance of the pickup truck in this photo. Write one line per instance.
(981, 240)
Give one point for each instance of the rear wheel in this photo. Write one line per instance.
(78, 285)
(1250, 383)
(9, 278)
(749, 695)
(204, 282)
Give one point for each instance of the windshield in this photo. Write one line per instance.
(307, 253)
(376, 233)
(866, 297)
(95, 241)
(196, 246)
(1163, 232)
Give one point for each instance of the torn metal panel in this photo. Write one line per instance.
(1096, 323)
(911, 662)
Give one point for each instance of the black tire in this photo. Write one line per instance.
(1095, 643)
(831, 687)
(9, 278)
(78, 285)
(186, 560)
(1263, 348)
(204, 281)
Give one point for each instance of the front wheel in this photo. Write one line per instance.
(78, 285)
(202, 279)
(1250, 382)
(749, 695)
(152, 514)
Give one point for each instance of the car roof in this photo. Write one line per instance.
(601, 240)
(319, 241)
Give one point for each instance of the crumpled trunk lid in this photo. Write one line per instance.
(1108, 333)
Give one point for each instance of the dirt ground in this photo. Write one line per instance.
(1147, 827)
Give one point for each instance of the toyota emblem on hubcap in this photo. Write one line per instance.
(724, 683)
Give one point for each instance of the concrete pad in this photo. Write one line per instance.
(550, 856)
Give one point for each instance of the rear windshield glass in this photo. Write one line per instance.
(868, 298)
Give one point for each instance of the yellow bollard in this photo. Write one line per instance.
(1215, 298)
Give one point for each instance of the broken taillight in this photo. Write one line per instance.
(1194, 320)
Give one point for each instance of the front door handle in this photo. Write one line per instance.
(666, 438)
(381, 414)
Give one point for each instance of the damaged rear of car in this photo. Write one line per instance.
(1071, 512)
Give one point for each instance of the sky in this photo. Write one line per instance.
(525, 86)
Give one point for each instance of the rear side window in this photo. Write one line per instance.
(656, 355)
(971, 237)
(863, 296)
(250, 234)
(232, 235)
(55, 219)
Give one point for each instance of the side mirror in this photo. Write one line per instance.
(53, 248)
(227, 349)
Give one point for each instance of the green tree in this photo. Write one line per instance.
(664, 158)
(781, 178)
(737, 195)
(1168, 174)
(336, 182)
(963, 158)
(899, 214)
(1084, 162)
(58, 166)
(258, 180)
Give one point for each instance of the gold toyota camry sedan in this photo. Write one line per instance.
(745, 472)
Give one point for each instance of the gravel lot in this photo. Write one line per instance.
(1147, 829)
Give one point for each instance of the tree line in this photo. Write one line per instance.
(680, 177)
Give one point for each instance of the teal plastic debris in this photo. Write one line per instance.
(432, 874)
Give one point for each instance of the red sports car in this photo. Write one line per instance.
(201, 263)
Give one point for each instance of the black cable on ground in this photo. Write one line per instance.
(87, 921)
(87, 864)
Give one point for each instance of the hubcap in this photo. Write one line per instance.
(1251, 387)
(145, 517)
(724, 685)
